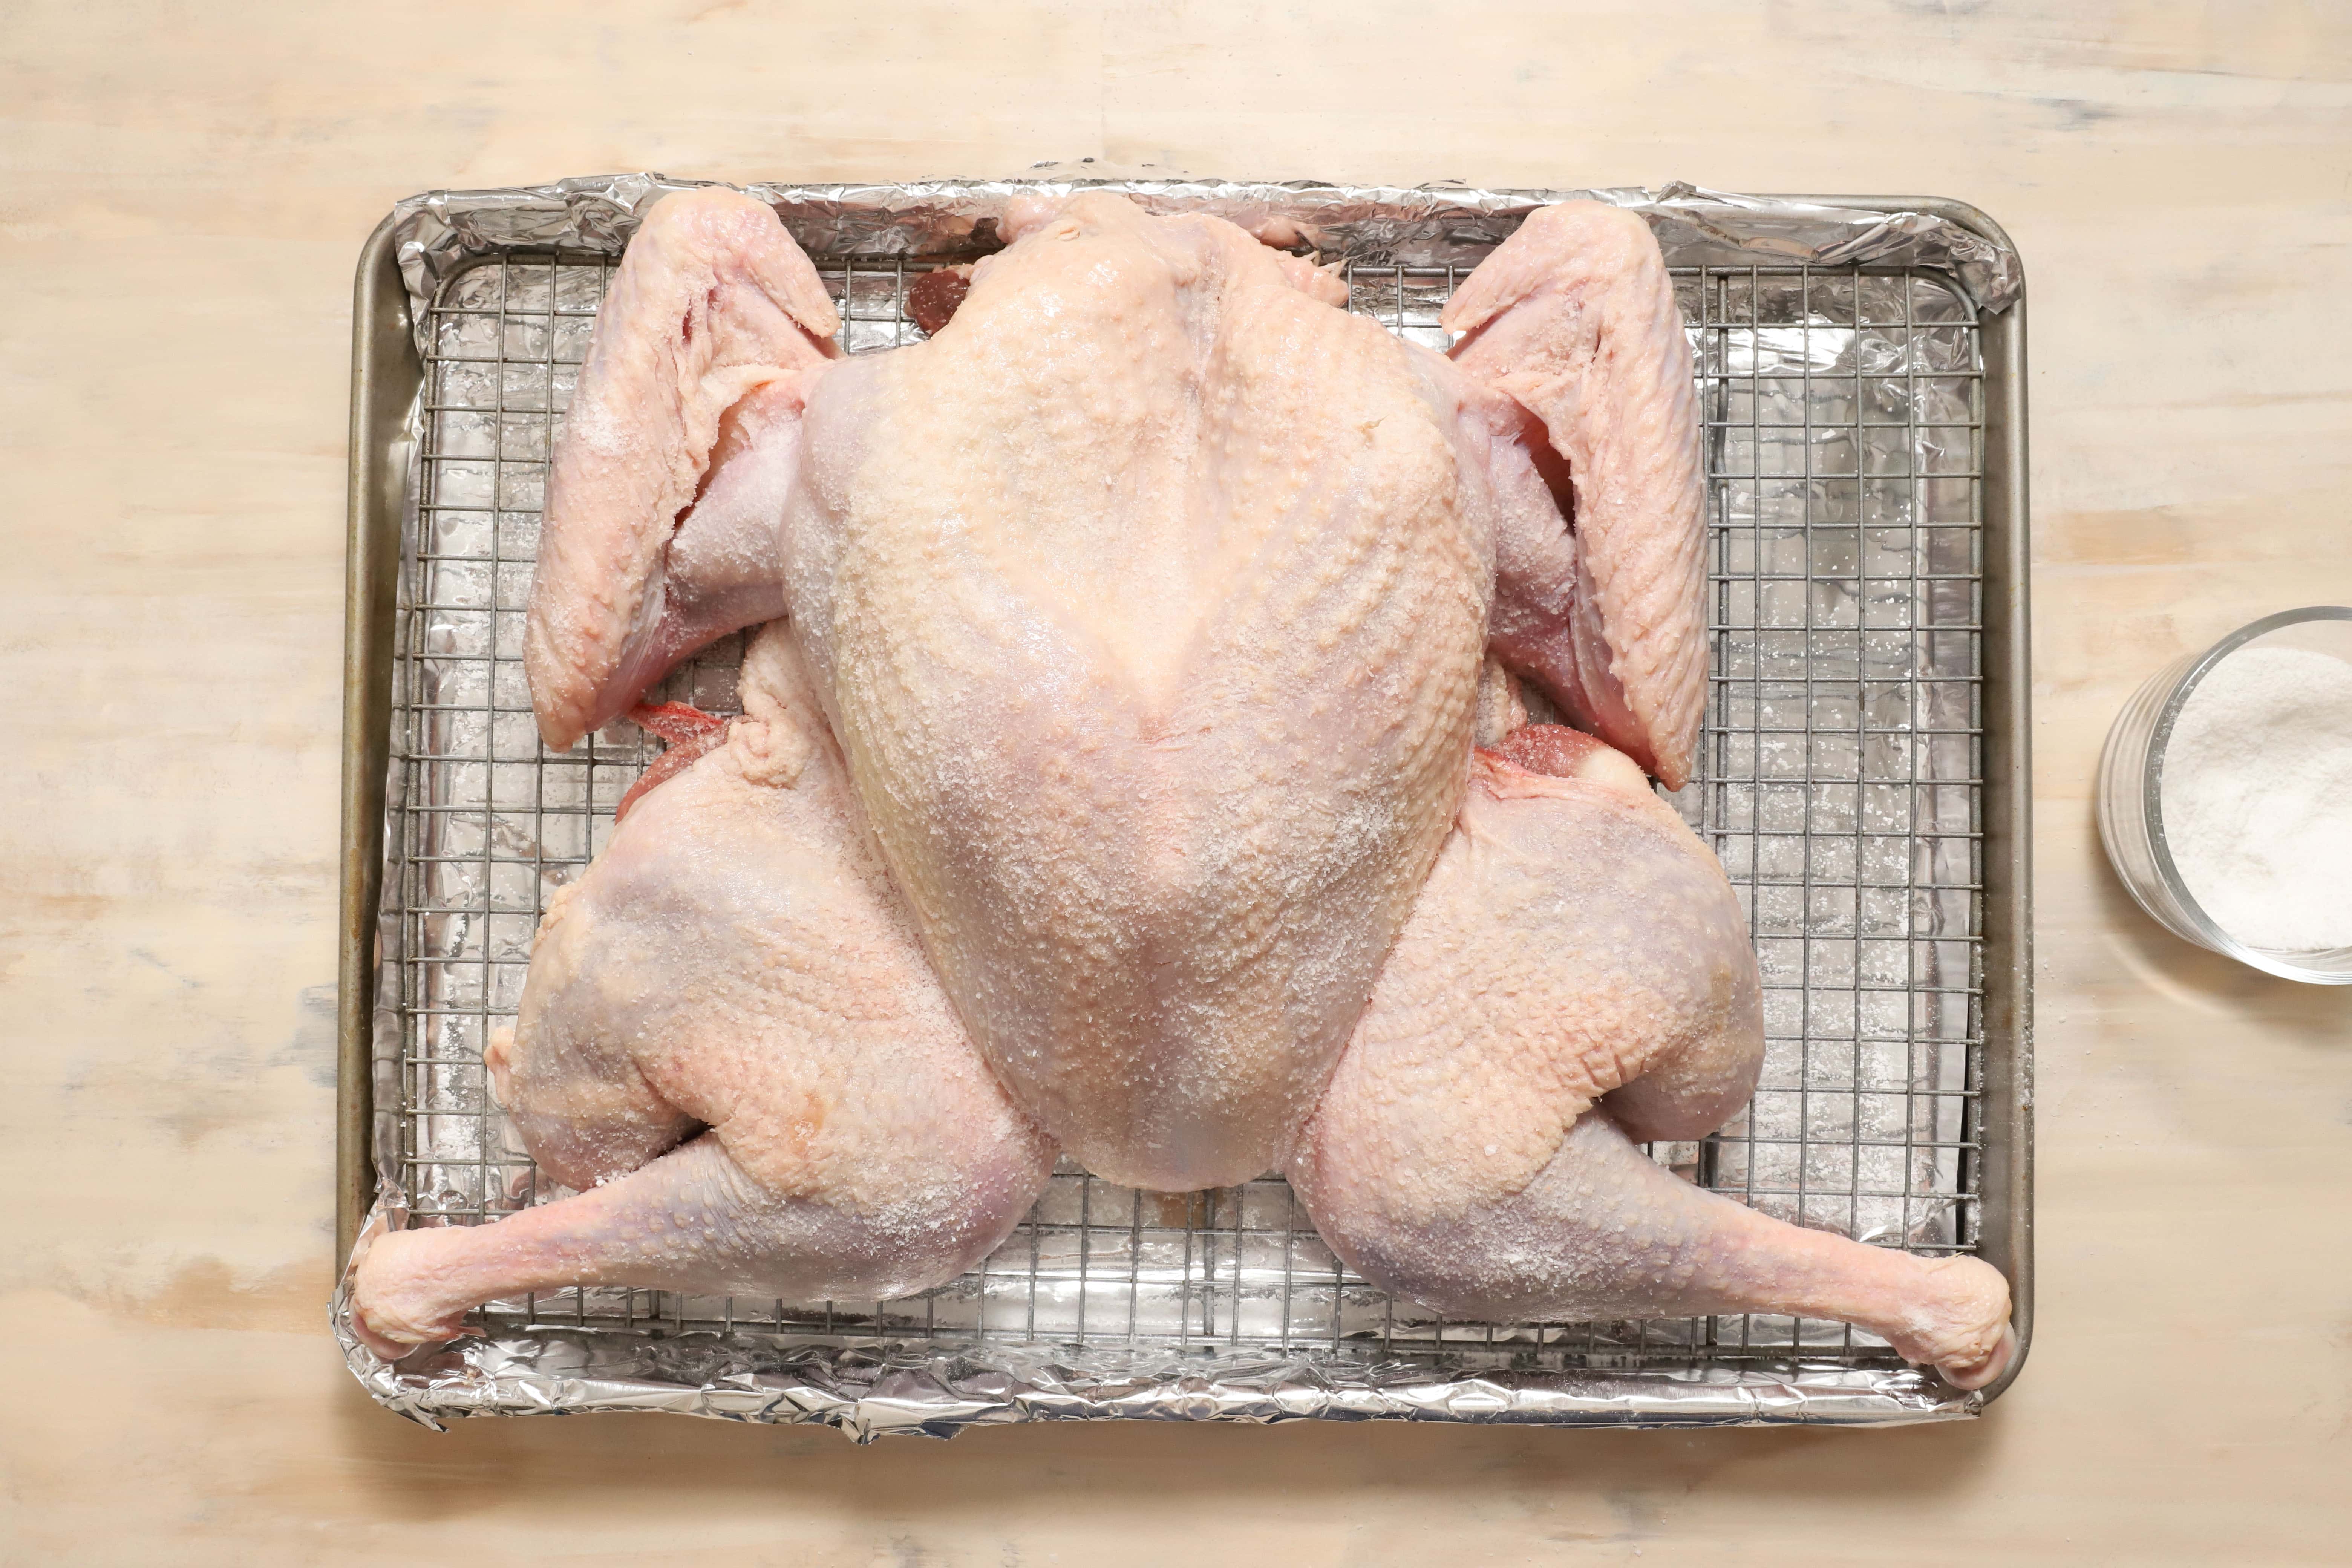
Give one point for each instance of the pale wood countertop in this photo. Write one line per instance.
(184, 193)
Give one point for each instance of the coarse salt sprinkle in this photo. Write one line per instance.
(2257, 798)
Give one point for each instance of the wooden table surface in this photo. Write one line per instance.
(182, 193)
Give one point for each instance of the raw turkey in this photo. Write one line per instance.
(1138, 763)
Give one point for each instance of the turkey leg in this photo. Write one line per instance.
(692, 1221)
(1577, 969)
(735, 960)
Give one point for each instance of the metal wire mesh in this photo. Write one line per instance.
(1840, 782)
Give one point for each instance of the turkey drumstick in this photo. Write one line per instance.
(734, 964)
(1577, 969)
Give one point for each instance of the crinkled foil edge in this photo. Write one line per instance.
(440, 232)
(874, 1389)
(884, 1389)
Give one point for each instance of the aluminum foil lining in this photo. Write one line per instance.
(443, 231)
(874, 1392)
(888, 1375)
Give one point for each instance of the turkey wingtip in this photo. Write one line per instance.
(793, 276)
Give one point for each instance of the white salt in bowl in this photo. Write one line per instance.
(2131, 792)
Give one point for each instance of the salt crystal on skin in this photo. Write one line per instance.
(2257, 798)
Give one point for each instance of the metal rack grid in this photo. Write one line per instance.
(1841, 782)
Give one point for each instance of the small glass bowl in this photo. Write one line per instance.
(2131, 792)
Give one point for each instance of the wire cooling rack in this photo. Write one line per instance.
(1841, 782)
